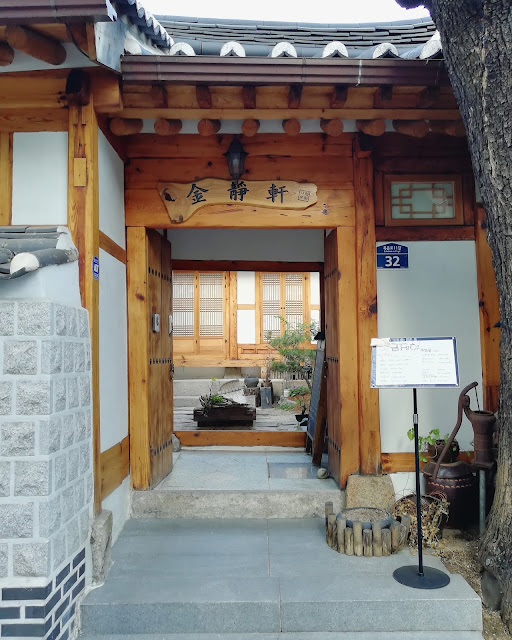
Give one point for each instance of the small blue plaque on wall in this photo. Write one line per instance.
(96, 268)
(392, 256)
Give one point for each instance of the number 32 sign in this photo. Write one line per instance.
(392, 256)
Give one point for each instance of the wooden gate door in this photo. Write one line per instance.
(331, 354)
(150, 356)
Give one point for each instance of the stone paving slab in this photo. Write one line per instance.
(361, 635)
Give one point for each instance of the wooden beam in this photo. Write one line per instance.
(125, 127)
(332, 127)
(164, 127)
(112, 248)
(5, 179)
(33, 120)
(115, 466)
(291, 126)
(203, 96)
(245, 265)
(339, 96)
(117, 143)
(489, 310)
(435, 234)
(383, 96)
(414, 128)
(206, 438)
(294, 96)
(376, 127)
(138, 365)
(35, 44)
(404, 461)
(83, 222)
(427, 97)
(250, 127)
(208, 127)
(369, 425)
(6, 54)
(107, 92)
(454, 128)
(279, 113)
(249, 97)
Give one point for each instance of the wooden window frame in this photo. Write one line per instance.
(458, 207)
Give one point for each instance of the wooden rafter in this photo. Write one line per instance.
(339, 96)
(164, 127)
(414, 128)
(249, 97)
(294, 96)
(6, 54)
(333, 127)
(291, 126)
(36, 44)
(428, 96)
(374, 127)
(208, 127)
(250, 127)
(125, 126)
(203, 96)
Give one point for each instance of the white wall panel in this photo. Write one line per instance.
(436, 296)
(246, 326)
(285, 245)
(246, 287)
(113, 352)
(40, 178)
(314, 280)
(111, 191)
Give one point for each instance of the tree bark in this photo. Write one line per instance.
(476, 37)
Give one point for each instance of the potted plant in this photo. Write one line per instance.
(432, 444)
(301, 393)
(294, 348)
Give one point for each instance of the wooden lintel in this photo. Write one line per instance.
(376, 127)
(203, 96)
(431, 233)
(413, 128)
(294, 96)
(291, 126)
(250, 127)
(208, 127)
(333, 127)
(249, 97)
(164, 127)
(427, 97)
(246, 265)
(6, 54)
(339, 96)
(454, 128)
(107, 93)
(126, 127)
(36, 44)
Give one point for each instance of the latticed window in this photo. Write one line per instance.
(211, 304)
(183, 304)
(423, 200)
(282, 297)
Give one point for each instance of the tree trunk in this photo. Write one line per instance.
(476, 37)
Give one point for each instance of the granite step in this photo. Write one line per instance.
(340, 635)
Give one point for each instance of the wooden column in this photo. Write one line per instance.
(369, 427)
(138, 369)
(5, 178)
(233, 342)
(489, 308)
(83, 222)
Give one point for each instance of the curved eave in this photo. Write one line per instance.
(213, 70)
(49, 11)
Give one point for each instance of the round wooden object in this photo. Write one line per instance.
(291, 127)
(250, 127)
(164, 127)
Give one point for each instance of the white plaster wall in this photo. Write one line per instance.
(111, 191)
(314, 287)
(56, 282)
(40, 178)
(246, 287)
(436, 296)
(246, 326)
(119, 503)
(113, 352)
(284, 245)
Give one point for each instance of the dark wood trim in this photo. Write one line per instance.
(245, 265)
(115, 466)
(112, 248)
(404, 461)
(385, 234)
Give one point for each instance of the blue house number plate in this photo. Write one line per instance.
(392, 256)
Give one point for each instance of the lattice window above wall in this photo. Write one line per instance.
(423, 200)
(211, 304)
(271, 303)
(183, 304)
(294, 303)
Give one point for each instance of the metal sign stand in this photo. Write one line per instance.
(408, 575)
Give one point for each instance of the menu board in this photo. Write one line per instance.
(414, 363)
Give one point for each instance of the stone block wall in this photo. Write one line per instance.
(46, 481)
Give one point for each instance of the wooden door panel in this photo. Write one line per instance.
(167, 356)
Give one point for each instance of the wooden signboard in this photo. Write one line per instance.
(318, 406)
(182, 200)
(414, 363)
